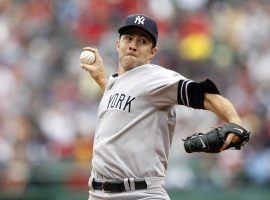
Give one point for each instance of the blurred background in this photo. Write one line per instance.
(48, 105)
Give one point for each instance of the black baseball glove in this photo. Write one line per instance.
(212, 141)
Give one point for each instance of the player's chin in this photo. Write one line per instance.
(130, 62)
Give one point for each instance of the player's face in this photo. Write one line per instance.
(135, 48)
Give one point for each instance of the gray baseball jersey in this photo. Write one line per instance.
(136, 121)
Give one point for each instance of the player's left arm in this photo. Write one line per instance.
(205, 95)
(225, 110)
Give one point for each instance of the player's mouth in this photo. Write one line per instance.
(131, 54)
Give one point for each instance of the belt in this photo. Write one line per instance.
(119, 185)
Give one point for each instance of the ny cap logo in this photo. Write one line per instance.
(139, 20)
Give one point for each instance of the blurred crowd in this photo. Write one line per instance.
(48, 105)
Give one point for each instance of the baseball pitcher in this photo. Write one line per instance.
(136, 117)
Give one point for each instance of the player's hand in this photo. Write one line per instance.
(232, 138)
(227, 136)
(96, 69)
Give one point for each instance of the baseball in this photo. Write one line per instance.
(87, 57)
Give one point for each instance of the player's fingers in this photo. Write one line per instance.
(86, 67)
(227, 142)
(89, 48)
(236, 139)
(83, 66)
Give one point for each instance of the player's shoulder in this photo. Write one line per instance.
(159, 71)
(154, 67)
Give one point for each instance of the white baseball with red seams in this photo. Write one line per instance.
(87, 57)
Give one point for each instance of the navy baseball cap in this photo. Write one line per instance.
(142, 21)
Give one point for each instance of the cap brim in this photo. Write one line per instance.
(125, 28)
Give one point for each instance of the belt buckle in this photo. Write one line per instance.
(104, 186)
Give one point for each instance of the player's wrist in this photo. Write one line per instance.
(102, 82)
(236, 120)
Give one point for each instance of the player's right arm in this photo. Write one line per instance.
(96, 70)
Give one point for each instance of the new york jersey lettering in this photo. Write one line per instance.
(121, 102)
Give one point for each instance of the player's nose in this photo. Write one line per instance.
(133, 46)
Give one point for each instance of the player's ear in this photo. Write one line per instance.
(117, 45)
(153, 52)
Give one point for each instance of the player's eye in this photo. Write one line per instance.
(128, 37)
(143, 41)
